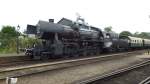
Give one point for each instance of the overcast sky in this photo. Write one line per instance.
(130, 15)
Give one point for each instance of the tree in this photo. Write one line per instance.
(8, 32)
(144, 35)
(125, 33)
(136, 34)
(108, 29)
(8, 36)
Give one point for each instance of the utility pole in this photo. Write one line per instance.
(18, 28)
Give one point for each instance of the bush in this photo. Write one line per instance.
(10, 46)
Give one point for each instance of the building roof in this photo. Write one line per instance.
(65, 21)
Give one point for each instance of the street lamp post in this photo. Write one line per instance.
(18, 27)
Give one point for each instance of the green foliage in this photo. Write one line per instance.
(125, 33)
(9, 32)
(8, 38)
(26, 42)
(136, 34)
(108, 29)
(143, 35)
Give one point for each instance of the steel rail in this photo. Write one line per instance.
(145, 81)
(111, 74)
(53, 65)
(61, 62)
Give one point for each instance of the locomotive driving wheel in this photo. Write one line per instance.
(45, 55)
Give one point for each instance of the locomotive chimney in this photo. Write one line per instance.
(51, 20)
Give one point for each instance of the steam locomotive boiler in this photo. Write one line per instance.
(65, 38)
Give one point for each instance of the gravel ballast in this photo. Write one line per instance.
(132, 77)
(69, 75)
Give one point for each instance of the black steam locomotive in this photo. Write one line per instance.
(65, 38)
(72, 38)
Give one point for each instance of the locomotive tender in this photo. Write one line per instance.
(74, 38)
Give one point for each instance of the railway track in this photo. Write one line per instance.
(99, 79)
(13, 61)
(36, 68)
(145, 81)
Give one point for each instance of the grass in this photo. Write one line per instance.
(11, 54)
